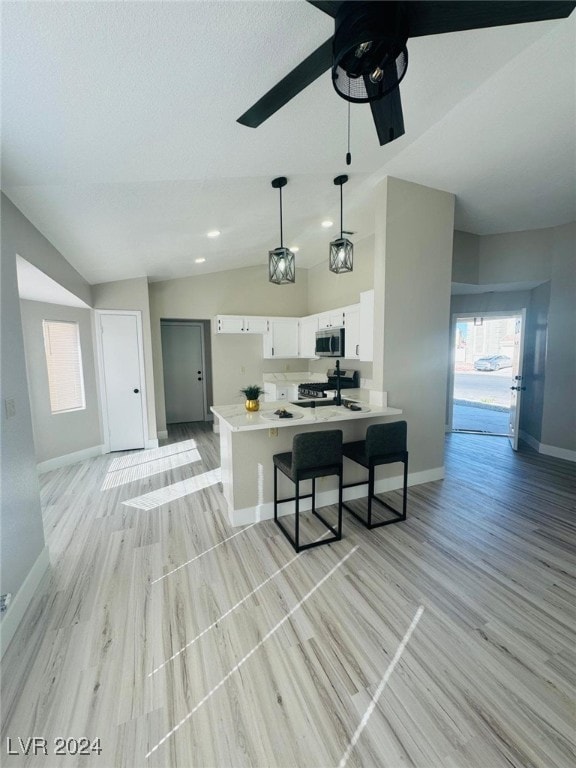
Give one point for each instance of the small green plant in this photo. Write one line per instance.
(252, 392)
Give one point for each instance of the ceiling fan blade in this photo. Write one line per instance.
(387, 114)
(328, 6)
(301, 77)
(432, 17)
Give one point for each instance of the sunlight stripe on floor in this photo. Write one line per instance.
(151, 454)
(197, 557)
(381, 686)
(175, 491)
(242, 661)
(139, 472)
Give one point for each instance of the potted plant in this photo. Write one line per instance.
(252, 392)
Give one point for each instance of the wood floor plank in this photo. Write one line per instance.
(167, 633)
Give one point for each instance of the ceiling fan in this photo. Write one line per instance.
(368, 56)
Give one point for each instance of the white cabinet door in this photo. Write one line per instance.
(281, 341)
(332, 319)
(367, 326)
(255, 324)
(240, 324)
(307, 330)
(229, 324)
(352, 333)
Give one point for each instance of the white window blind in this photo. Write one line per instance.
(64, 361)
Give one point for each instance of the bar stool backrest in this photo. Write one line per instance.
(316, 449)
(384, 439)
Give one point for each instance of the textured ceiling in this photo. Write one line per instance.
(120, 141)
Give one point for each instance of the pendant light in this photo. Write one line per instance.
(341, 250)
(281, 267)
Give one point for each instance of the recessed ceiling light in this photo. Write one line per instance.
(327, 224)
(213, 233)
(294, 248)
(199, 261)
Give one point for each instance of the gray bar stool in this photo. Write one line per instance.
(313, 454)
(384, 444)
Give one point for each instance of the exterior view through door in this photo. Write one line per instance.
(487, 373)
(184, 371)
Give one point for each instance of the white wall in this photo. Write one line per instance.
(59, 434)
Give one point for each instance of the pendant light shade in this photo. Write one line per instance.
(341, 257)
(281, 264)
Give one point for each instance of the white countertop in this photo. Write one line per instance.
(238, 419)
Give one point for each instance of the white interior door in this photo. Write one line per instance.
(121, 347)
(517, 386)
(182, 356)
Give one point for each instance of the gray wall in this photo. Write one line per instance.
(545, 256)
(236, 359)
(61, 433)
(22, 538)
(412, 269)
(559, 411)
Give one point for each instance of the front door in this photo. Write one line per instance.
(121, 347)
(517, 387)
(182, 356)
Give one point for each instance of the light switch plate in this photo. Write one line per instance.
(10, 407)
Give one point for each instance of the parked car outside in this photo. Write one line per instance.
(492, 363)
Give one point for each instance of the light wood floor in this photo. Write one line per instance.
(160, 629)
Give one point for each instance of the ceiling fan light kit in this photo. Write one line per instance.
(281, 262)
(341, 257)
(368, 56)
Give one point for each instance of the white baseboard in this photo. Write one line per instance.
(162, 434)
(265, 511)
(22, 599)
(151, 444)
(547, 450)
(70, 458)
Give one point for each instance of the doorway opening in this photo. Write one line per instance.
(187, 370)
(486, 373)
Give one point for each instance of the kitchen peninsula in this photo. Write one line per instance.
(249, 440)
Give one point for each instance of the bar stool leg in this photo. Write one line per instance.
(370, 494)
(313, 495)
(297, 517)
(340, 491)
(405, 489)
(275, 493)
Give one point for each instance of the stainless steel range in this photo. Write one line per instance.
(349, 379)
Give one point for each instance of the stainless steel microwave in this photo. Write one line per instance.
(330, 342)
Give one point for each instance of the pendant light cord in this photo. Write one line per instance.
(341, 207)
(281, 235)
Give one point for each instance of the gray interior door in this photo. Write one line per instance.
(184, 380)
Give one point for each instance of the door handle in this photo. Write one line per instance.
(357, 349)
(136, 391)
(519, 389)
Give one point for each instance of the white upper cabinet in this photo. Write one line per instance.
(332, 319)
(239, 324)
(352, 332)
(281, 340)
(308, 328)
(367, 326)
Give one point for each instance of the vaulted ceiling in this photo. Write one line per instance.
(120, 141)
